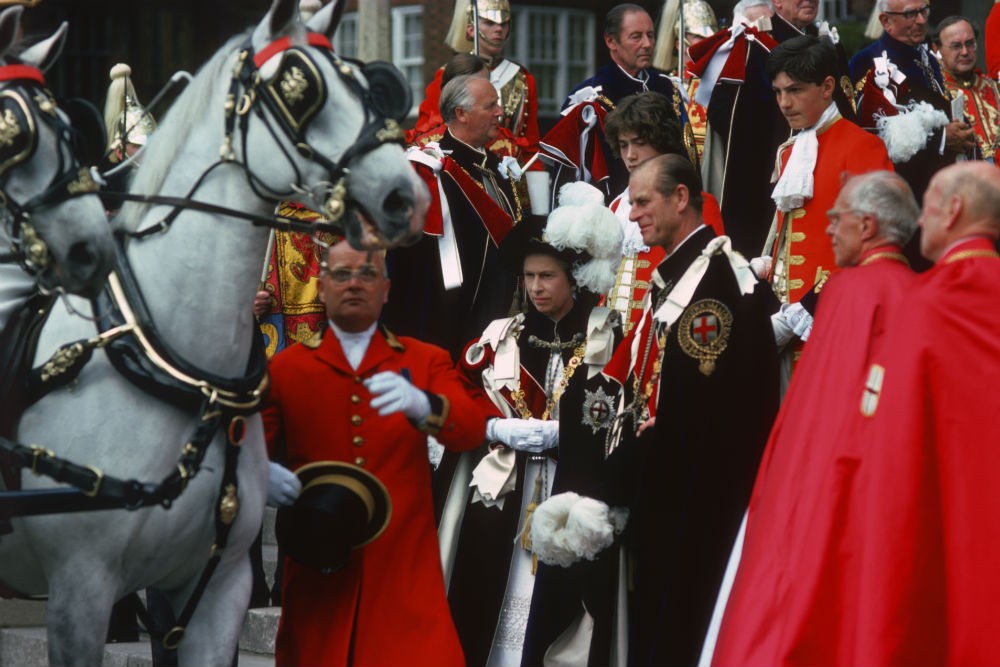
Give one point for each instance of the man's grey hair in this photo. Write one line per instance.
(881, 5)
(743, 5)
(454, 95)
(886, 197)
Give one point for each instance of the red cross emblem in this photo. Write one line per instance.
(705, 328)
(599, 411)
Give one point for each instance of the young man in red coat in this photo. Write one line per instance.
(809, 166)
(356, 393)
(809, 169)
(783, 609)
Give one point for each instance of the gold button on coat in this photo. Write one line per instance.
(356, 420)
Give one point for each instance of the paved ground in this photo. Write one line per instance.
(20, 613)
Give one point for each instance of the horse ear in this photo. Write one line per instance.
(326, 20)
(10, 28)
(278, 21)
(43, 54)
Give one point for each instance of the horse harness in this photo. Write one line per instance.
(293, 95)
(25, 103)
(135, 348)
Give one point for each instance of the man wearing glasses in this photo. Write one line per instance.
(894, 71)
(358, 395)
(957, 43)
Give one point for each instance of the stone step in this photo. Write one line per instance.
(259, 630)
(27, 647)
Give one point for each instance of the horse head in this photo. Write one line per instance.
(342, 120)
(52, 216)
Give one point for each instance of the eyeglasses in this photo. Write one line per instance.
(366, 274)
(911, 14)
(969, 45)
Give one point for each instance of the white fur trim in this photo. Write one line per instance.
(568, 527)
(907, 133)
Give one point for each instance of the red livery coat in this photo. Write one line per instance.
(391, 596)
(802, 245)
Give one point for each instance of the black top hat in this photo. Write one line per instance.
(341, 507)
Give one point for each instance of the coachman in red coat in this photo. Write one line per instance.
(358, 394)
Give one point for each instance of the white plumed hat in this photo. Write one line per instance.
(584, 225)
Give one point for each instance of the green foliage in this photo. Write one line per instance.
(852, 36)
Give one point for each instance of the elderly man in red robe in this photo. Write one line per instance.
(783, 606)
(920, 585)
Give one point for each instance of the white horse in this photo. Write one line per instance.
(261, 99)
(52, 220)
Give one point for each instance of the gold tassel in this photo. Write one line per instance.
(536, 497)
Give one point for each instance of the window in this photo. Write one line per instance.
(345, 40)
(407, 35)
(408, 48)
(833, 10)
(557, 47)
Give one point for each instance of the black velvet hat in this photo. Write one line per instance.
(341, 508)
(581, 231)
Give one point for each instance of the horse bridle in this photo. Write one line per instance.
(289, 96)
(293, 95)
(18, 141)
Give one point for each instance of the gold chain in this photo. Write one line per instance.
(639, 403)
(550, 403)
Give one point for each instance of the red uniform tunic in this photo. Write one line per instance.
(982, 108)
(388, 605)
(803, 256)
(783, 608)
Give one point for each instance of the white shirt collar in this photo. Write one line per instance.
(354, 344)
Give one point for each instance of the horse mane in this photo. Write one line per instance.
(192, 108)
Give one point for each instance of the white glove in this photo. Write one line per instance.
(792, 320)
(394, 393)
(526, 435)
(761, 266)
(283, 486)
(510, 169)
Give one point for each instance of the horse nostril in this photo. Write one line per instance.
(82, 257)
(398, 203)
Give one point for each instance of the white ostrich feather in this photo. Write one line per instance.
(906, 133)
(568, 527)
(583, 223)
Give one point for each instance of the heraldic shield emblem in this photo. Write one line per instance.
(703, 332)
(597, 409)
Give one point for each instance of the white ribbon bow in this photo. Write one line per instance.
(680, 296)
(494, 477)
(582, 96)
